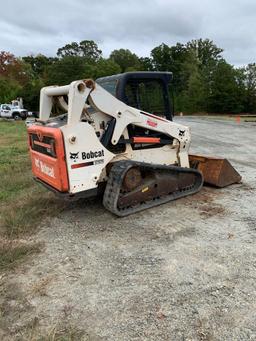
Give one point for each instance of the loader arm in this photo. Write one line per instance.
(125, 115)
(82, 92)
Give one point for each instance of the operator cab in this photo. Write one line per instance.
(145, 90)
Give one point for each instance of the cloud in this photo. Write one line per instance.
(43, 26)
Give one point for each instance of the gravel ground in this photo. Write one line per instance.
(181, 271)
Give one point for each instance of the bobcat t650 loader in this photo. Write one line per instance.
(117, 136)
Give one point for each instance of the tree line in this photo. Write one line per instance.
(203, 81)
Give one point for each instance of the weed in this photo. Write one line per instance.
(40, 287)
(12, 251)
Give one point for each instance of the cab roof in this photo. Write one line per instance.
(164, 75)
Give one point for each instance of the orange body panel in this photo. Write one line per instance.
(51, 170)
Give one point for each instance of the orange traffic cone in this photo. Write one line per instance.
(238, 119)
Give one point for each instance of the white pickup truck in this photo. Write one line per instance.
(10, 111)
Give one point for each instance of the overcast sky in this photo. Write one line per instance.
(35, 26)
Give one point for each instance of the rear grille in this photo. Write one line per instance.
(45, 146)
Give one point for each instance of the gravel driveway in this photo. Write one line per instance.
(181, 271)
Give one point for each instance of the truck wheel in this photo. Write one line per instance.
(16, 117)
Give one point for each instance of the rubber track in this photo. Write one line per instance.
(115, 180)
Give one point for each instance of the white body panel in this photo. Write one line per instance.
(86, 177)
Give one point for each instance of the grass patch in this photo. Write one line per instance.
(27, 212)
(13, 251)
(15, 164)
(23, 203)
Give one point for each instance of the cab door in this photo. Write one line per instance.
(5, 111)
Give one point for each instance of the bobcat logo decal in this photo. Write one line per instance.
(73, 156)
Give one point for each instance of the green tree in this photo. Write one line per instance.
(67, 69)
(145, 64)
(162, 58)
(9, 89)
(127, 60)
(225, 90)
(105, 67)
(39, 63)
(193, 97)
(86, 48)
(31, 94)
(172, 58)
(205, 50)
(207, 56)
(249, 73)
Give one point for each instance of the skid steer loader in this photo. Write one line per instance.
(117, 137)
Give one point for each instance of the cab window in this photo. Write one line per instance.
(110, 86)
(146, 95)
